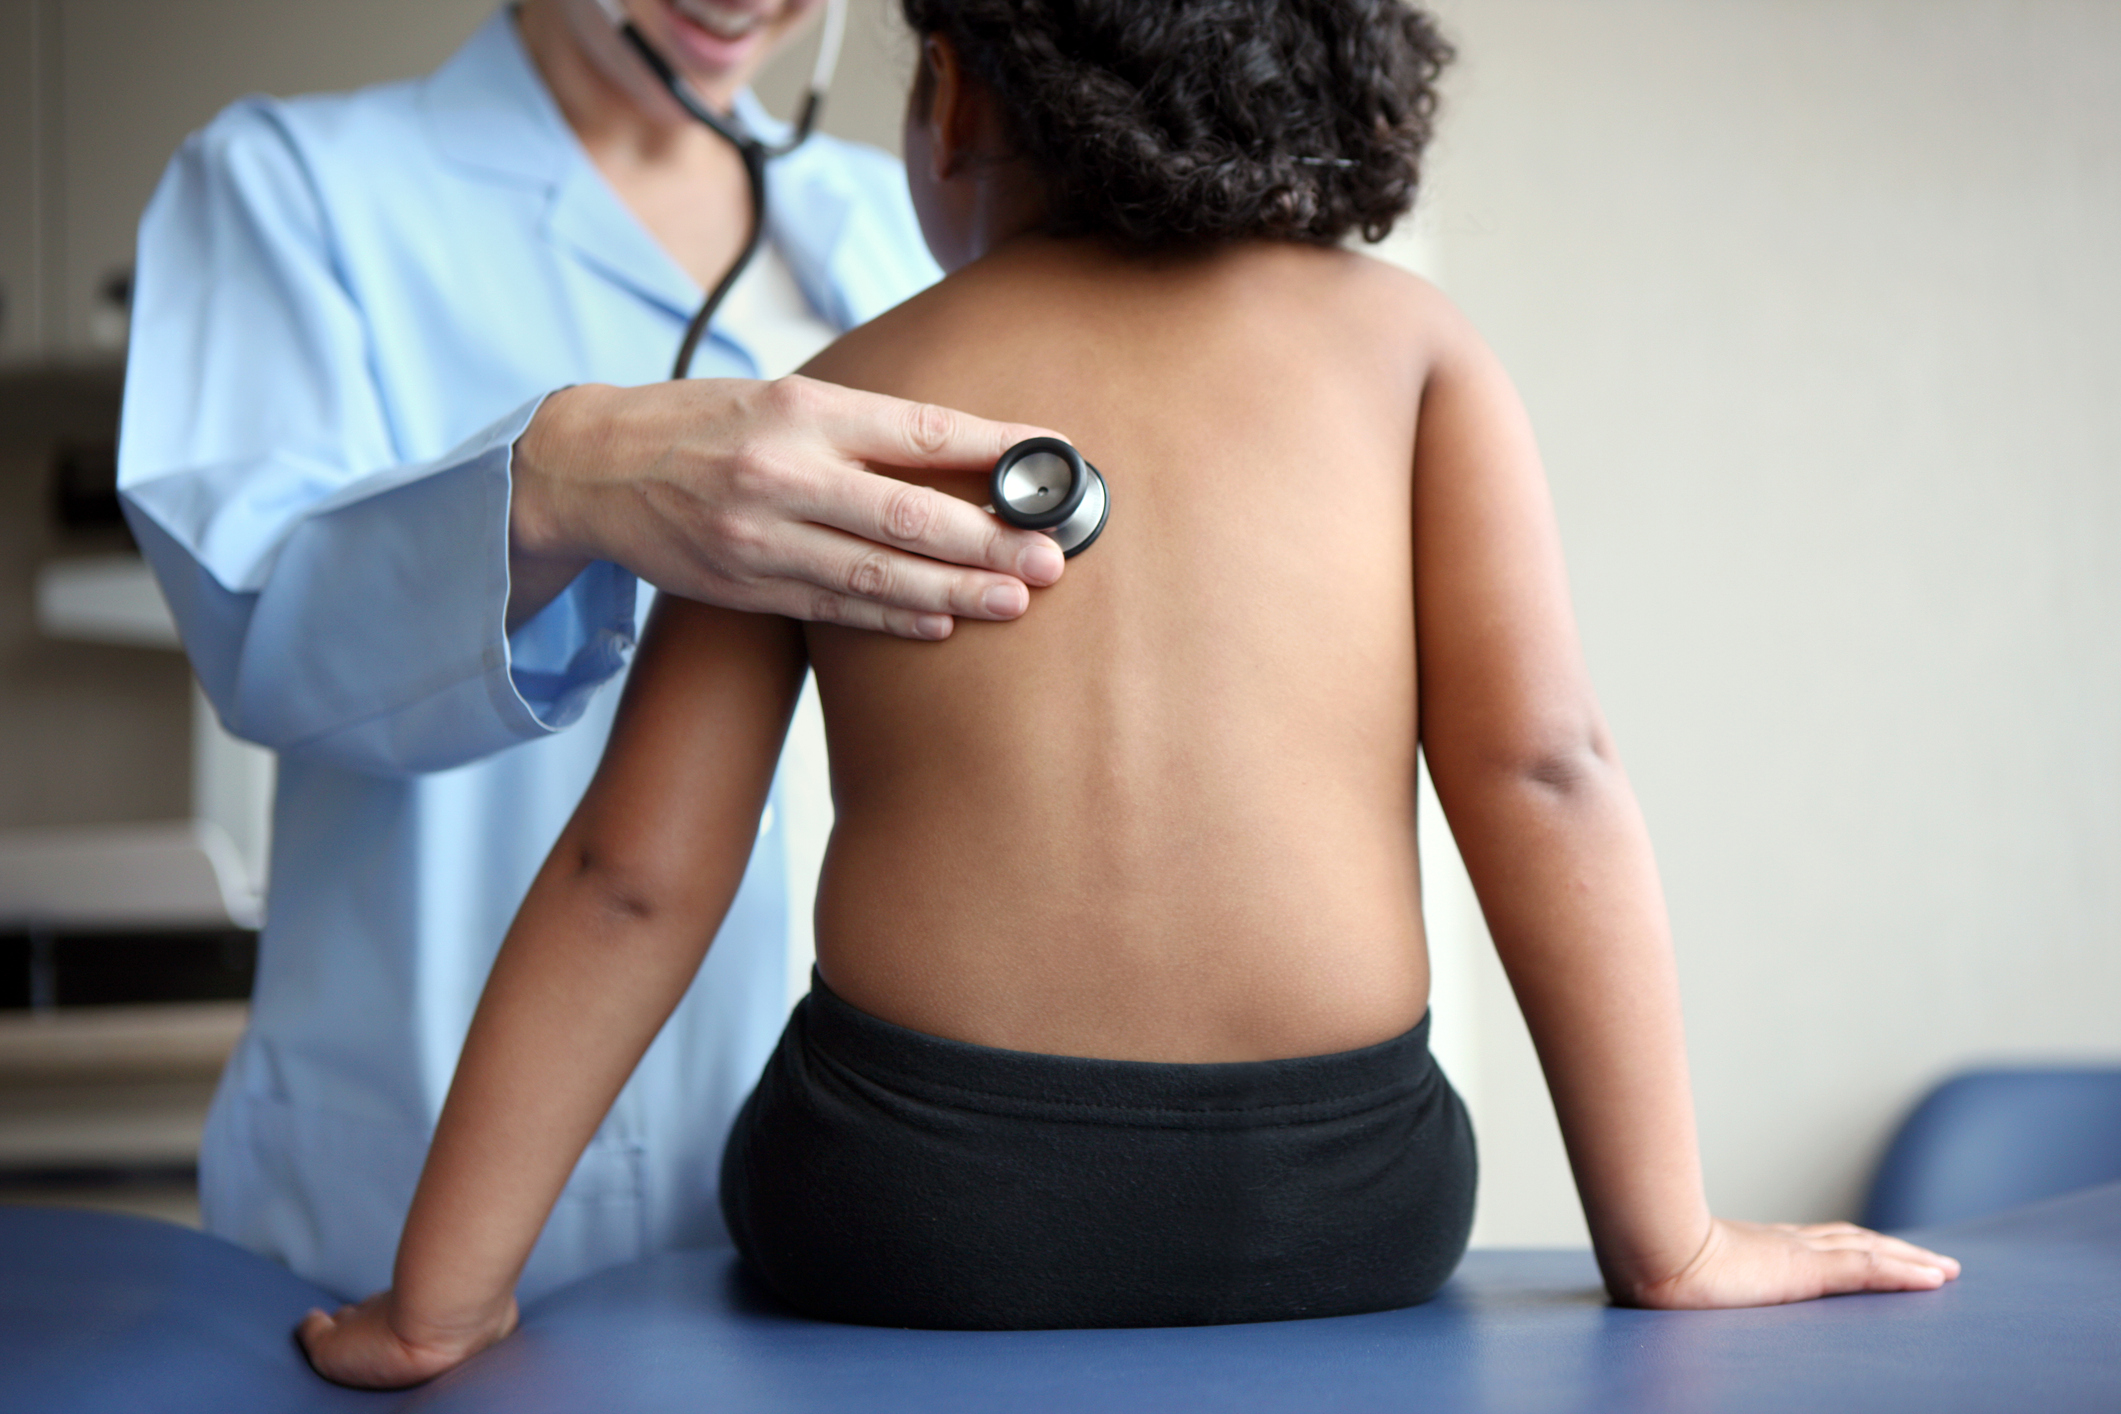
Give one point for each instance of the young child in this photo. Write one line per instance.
(1199, 1089)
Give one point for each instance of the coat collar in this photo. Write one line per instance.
(488, 110)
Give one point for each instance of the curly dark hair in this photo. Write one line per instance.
(1161, 123)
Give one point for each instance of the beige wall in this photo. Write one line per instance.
(1816, 307)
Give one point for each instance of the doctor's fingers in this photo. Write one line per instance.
(833, 577)
(888, 431)
(945, 531)
(872, 428)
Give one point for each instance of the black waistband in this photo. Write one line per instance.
(1298, 1089)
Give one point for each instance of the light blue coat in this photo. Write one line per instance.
(347, 309)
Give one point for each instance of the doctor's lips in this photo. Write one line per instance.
(717, 35)
(723, 21)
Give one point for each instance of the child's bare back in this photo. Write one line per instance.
(1195, 1085)
(1191, 765)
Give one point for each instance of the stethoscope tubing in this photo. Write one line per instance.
(1079, 518)
(755, 151)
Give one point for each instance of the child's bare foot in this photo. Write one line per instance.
(364, 1347)
(1766, 1264)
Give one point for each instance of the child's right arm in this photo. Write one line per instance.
(1557, 851)
(603, 949)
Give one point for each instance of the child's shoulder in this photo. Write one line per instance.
(1339, 301)
(1391, 292)
(1321, 302)
(884, 354)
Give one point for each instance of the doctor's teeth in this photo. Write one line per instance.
(720, 21)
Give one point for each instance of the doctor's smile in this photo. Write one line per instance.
(714, 38)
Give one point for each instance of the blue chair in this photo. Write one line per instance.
(1994, 1139)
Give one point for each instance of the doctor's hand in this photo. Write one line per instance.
(1767, 1264)
(375, 1346)
(757, 496)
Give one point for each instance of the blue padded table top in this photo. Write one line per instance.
(102, 1313)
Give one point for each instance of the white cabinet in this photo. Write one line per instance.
(95, 95)
(207, 871)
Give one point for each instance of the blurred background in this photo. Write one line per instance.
(1816, 308)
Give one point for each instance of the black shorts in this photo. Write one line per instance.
(885, 1177)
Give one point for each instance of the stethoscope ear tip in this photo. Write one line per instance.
(1043, 483)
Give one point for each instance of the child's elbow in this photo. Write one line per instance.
(1565, 768)
(623, 888)
(1560, 762)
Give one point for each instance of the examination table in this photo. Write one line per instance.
(100, 1313)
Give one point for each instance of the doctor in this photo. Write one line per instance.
(405, 562)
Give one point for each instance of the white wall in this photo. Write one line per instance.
(1816, 307)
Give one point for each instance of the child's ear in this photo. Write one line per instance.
(941, 93)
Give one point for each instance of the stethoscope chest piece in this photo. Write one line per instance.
(1044, 484)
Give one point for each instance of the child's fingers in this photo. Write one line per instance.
(317, 1337)
(1909, 1252)
(1852, 1269)
(1847, 1236)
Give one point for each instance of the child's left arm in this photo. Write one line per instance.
(1556, 847)
(604, 947)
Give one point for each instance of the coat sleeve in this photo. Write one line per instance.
(338, 601)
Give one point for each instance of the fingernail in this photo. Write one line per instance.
(932, 626)
(1041, 564)
(1006, 601)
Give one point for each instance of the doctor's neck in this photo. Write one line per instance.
(607, 94)
(685, 185)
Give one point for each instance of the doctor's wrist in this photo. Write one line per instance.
(568, 443)
(549, 537)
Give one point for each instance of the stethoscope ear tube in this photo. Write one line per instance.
(1042, 483)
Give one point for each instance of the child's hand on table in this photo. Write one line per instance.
(374, 1346)
(1766, 1264)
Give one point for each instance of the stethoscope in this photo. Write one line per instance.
(1039, 484)
(1042, 483)
(754, 150)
